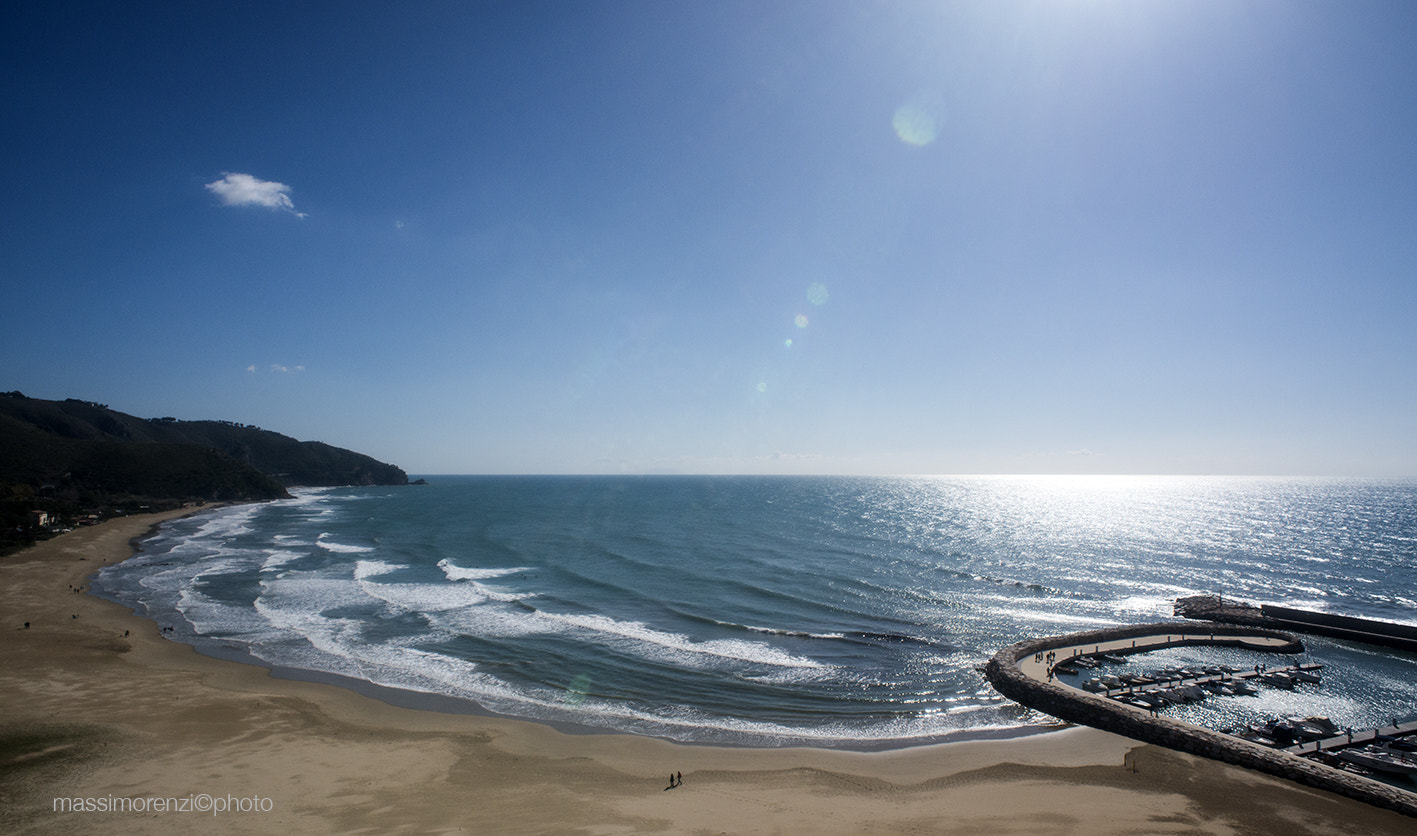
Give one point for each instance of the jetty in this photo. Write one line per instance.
(1182, 681)
(1361, 737)
(1272, 617)
(1024, 672)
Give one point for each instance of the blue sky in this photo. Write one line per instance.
(757, 237)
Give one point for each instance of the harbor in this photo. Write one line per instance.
(1312, 751)
(1386, 753)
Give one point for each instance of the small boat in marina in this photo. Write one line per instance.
(1379, 760)
(1330, 759)
(1144, 699)
(1257, 736)
(1401, 744)
(1167, 696)
(1278, 680)
(1191, 693)
(1311, 728)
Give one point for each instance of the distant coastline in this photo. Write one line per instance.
(74, 462)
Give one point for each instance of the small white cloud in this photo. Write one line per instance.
(277, 368)
(245, 190)
(251, 368)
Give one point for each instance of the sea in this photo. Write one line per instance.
(842, 612)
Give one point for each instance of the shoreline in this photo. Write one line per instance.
(99, 704)
(404, 697)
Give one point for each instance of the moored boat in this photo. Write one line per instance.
(1278, 680)
(1379, 760)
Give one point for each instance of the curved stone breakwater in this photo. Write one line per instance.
(1006, 672)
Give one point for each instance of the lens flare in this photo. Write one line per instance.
(579, 688)
(817, 293)
(801, 320)
(918, 121)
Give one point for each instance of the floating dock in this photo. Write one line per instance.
(1201, 680)
(1357, 738)
(1271, 617)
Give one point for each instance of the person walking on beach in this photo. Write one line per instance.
(679, 776)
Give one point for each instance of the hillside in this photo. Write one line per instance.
(68, 457)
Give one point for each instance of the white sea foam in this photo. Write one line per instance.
(648, 637)
(490, 621)
(340, 548)
(209, 617)
(424, 597)
(470, 577)
(277, 558)
(373, 568)
(460, 573)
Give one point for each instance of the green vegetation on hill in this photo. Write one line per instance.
(72, 458)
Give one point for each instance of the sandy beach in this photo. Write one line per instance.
(100, 711)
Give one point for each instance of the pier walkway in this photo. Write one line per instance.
(1201, 680)
(1357, 738)
(1038, 669)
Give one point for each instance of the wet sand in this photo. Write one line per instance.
(100, 718)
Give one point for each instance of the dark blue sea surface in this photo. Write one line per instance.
(848, 612)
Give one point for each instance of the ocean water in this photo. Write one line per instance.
(844, 612)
